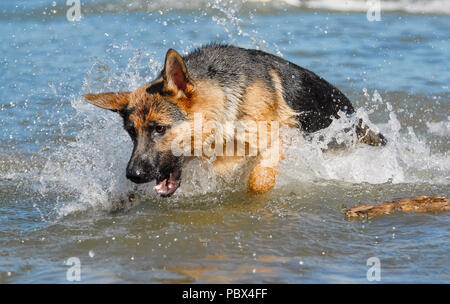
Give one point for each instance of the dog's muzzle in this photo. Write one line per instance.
(138, 176)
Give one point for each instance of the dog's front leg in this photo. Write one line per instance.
(263, 176)
(262, 179)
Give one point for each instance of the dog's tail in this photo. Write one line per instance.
(365, 135)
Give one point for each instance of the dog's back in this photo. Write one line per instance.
(236, 68)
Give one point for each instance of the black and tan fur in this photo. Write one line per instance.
(223, 83)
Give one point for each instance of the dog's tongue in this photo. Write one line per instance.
(167, 186)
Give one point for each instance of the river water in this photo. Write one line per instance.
(63, 191)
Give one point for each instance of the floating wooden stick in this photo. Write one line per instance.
(419, 204)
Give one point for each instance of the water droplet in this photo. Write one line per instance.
(91, 253)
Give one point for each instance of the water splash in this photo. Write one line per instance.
(88, 172)
(407, 158)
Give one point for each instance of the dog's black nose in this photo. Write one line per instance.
(137, 176)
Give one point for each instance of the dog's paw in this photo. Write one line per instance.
(262, 179)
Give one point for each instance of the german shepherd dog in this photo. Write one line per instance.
(223, 83)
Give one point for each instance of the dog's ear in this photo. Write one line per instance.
(109, 101)
(177, 81)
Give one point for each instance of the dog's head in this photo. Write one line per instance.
(150, 114)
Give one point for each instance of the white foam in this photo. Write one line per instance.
(406, 6)
(441, 128)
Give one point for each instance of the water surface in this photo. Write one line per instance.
(62, 161)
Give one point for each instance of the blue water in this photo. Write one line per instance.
(62, 161)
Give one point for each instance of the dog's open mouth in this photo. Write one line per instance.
(167, 186)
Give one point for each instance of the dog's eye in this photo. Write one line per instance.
(160, 129)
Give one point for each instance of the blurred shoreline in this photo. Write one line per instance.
(46, 8)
